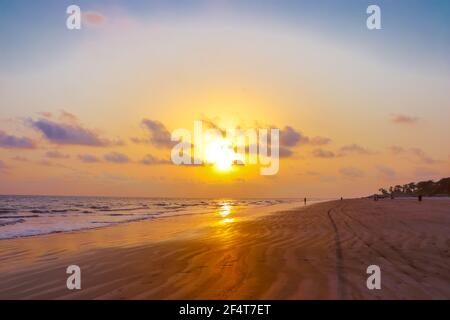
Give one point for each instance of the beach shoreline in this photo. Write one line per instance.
(314, 252)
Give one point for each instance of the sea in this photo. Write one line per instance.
(22, 216)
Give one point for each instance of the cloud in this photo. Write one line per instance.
(422, 156)
(285, 152)
(425, 173)
(67, 116)
(386, 172)
(13, 142)
(397, 149)
(351, 172)
(71, 134)
(289, 137)
(354, 149)
(416, 153)
(56, 155)
(92, 18)
(159, 135)
(403, 119)
(46, 163)
(20, 158)
(88, 158)
(152, 160)
(116, 157)
(319, 141)
(320, 153)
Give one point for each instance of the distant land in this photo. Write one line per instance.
(427, 188)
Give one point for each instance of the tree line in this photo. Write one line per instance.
(425, 188)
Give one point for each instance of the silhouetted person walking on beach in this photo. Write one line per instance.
(420, 198)
(305, 201)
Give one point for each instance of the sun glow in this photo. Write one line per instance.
(219, 151)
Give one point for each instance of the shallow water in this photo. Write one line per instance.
(34, 215)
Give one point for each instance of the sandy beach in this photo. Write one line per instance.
(314, 252)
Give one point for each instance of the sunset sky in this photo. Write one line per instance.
(86, 112)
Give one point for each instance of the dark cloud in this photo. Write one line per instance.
(320, 153)
(10, 141)
(152, 160)
(62, 133)
(285, 152)
(354, 149)
(88, 158)
(289, 137)
(159, 135)
(351, 172)
(386, 172)
(403, 119)
(56, 155)
(116, 157)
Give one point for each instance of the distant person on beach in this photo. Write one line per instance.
(305, 201)
(420, 197)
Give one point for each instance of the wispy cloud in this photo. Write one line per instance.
(152, 160)
(320, 153)
(319, 141)
(116, 157)
(422, 156)
(425, 173)
(386, 172)
(415, 153)
(88, 158)
(13, 142)
(403, 119)
(351, 172)
(354, 149)
(93, 18)
(20, 158)
(56, 155)
(2, 166)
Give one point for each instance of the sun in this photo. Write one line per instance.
(219, 151)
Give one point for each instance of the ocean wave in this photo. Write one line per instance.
(8, 223)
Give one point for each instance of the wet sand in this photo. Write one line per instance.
(314, 252)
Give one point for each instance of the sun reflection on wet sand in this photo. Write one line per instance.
(227, 220)
(224, 212)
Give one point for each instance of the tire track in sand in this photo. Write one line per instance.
(340, 279)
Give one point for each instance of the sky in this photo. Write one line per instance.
(90, 111)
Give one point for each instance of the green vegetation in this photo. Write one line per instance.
(425, 188)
